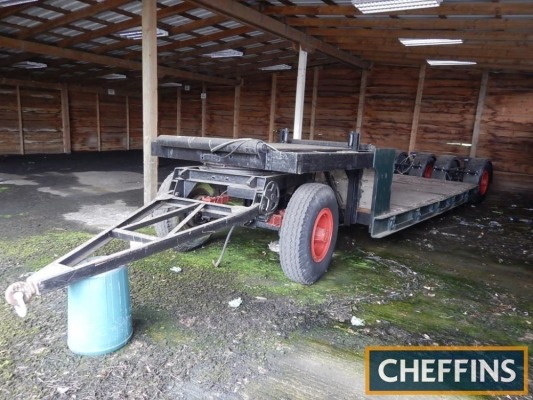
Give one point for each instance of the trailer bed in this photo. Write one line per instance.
(414, 199)
(409, 192)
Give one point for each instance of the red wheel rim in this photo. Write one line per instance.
(428, 171)
(484, 182)
(322, 234)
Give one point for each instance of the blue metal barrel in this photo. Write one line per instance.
(99, 313)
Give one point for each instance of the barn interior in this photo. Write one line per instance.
(77, 79)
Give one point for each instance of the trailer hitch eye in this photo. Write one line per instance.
(18, 294)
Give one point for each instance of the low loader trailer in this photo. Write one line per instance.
(303, 189)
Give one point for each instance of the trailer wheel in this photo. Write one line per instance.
(445, 168)
(164, 227)
(402, 162)
(479, 172)
(423, 165)
(308, 233)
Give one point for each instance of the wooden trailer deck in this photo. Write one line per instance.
(410, 192)
(414, 199)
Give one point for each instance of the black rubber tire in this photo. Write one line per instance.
(475, 170)
(445, 168)
(164, 227)
(296, 232)
(422, 165)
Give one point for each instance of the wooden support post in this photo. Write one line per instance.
(361, 105)
(272, 119)
(236, 111)
(98, 128)
(21, 124)
(128, 128)
(204, 108)
(65, 119)
(300, 95)
(149, 78)
(418, 103)
(479, 112)
(178, 111)
(313, 103)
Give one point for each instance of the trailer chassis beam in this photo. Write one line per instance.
(67, 269)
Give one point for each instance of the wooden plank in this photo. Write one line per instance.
(98, 127)
(272, 108)
(20, 122)
(70, 17)
(65, 118)
(203, 97)
(113, 123)
(410, 192)
(418, 103)
(452, 8)
(178, 111)
(29, 84)
(343, 35)
(49, 50)
(313, 103)
(127, 122)
(236, 111)
(361, 105)
(300, 94)
(150, 100)
(479, 112)
(250, 17)
(458, 23)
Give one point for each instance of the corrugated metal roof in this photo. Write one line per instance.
(497, 33)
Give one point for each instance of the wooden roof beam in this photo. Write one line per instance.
(39, 48)
(385, 55)
(467, 44)
(70, 17)
(228, 45)
(131, 23)
(356, 33)
(110, 29)
(468, 8)
(515, 24)
(450, 51)
(246, 15)
(202, 39)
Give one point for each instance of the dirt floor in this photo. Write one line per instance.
(464, 278)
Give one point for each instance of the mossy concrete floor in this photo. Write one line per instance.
(464, 278)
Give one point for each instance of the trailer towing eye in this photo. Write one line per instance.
(18, 294)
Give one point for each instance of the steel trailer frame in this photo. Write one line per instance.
(263, 177)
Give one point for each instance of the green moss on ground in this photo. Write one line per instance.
(37, 251)
(419, 299)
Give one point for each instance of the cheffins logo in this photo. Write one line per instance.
(487, 370)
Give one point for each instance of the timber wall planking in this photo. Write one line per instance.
(506, 133)
(219, 111)
(42, 124)
(254, 113)
(9, 121)
(447, 114)
(389, 105)
(191, 111)
(448, 111)
(337, 103)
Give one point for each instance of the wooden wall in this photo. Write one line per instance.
(10, 136)
(337, 102)
(448, 110)
(425, 109)
(389, 104)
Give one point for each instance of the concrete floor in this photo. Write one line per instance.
(472, 265)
